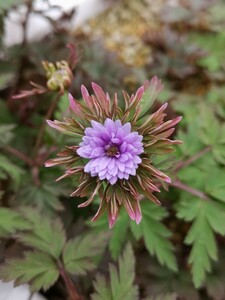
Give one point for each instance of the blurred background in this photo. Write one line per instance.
(119, 44)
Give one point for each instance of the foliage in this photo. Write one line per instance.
(42, 267)
(37, 268)
(121, 280)
(78, 254)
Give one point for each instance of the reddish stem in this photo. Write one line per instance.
(19, 154)
(180, 185)
(73, 294)
(183, 164)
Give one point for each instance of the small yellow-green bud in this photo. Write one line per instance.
(59, 75)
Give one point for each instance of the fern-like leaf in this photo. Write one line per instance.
(208, 217)
(36, 268)
(46, 235)
(118, 234)
(156, 234)
(121, 285)
(79, 254)
(11, 221)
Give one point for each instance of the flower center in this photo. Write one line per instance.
(112, 151)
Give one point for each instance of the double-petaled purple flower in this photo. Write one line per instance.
(114, 155)
(113, 150)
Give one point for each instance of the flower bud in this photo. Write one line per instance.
(59, 75)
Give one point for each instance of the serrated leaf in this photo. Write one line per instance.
(46, 235)
(167, 281)
(156, 234)
(120, 286)
(37, 268)
(45, 196)
(219, 153)
(215, 185)
(208, 218)
(210, 126)
(118, 234)
(211, 43)
(9, 168)
(101, 288)
(11, 221)
(79, 253)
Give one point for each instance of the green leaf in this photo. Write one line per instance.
(191, 142)
(79, 253)
(210, 126)
(218, 151)
(215, 184)
(46, 234)
(46, 196)
(37, 268)
(212, 43)
(118, 234)
(10, 169)
(120, 286)
(156, 234)
(6, 134)
(215, 283)
(11, 221)
(208, 218)
(166, 281)
(102, 290)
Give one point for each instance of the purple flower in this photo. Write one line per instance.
(113, 150)
(115, 156)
